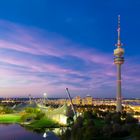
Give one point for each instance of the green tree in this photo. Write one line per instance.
(70, 121)
(88, 115)
(130, 120)
(108, 118)
(116, 118)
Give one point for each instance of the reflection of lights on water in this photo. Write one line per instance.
(56, 131)
(45, 135)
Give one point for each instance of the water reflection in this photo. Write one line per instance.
(58, 131)
(16, 132)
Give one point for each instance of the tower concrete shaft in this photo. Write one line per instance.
(119, 94)
(119, 60)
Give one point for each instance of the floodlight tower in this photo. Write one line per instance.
(119, 60)
(45, 97)
(30, 99)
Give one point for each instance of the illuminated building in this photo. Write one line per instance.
(88, 100)
(76, 100)
(59, 114)
(119, 60)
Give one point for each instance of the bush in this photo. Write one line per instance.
(27, 117)
(39, 115)
(130, 120)
(31, 110)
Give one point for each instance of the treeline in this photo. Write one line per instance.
(5, 110)
(90, 126)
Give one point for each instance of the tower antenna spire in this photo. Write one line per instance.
(119, 44)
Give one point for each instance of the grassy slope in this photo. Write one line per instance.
(15, 118)
(10, 118)
(42, 123)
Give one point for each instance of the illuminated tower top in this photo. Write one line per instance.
(119, 51)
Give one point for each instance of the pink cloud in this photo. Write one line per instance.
(35, 42)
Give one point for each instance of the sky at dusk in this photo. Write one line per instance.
(48, 45)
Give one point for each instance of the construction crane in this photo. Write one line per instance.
(71, 102)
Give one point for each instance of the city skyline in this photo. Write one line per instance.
(48, 46)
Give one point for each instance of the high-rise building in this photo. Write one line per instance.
(119, 60)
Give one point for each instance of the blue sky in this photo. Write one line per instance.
(48, 45)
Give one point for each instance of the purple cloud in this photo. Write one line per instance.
(24, 54)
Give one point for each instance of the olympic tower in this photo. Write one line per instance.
(119, 60)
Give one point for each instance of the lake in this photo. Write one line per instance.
(16, 132)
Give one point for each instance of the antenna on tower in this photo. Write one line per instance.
(118, 21)
(119, 44)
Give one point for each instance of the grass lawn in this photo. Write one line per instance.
(42, 123)
(10, 118)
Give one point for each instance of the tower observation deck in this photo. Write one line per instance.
(119, 60)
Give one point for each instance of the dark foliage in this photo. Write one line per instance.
(113, 126)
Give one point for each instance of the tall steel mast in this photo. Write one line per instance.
(71, 102)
